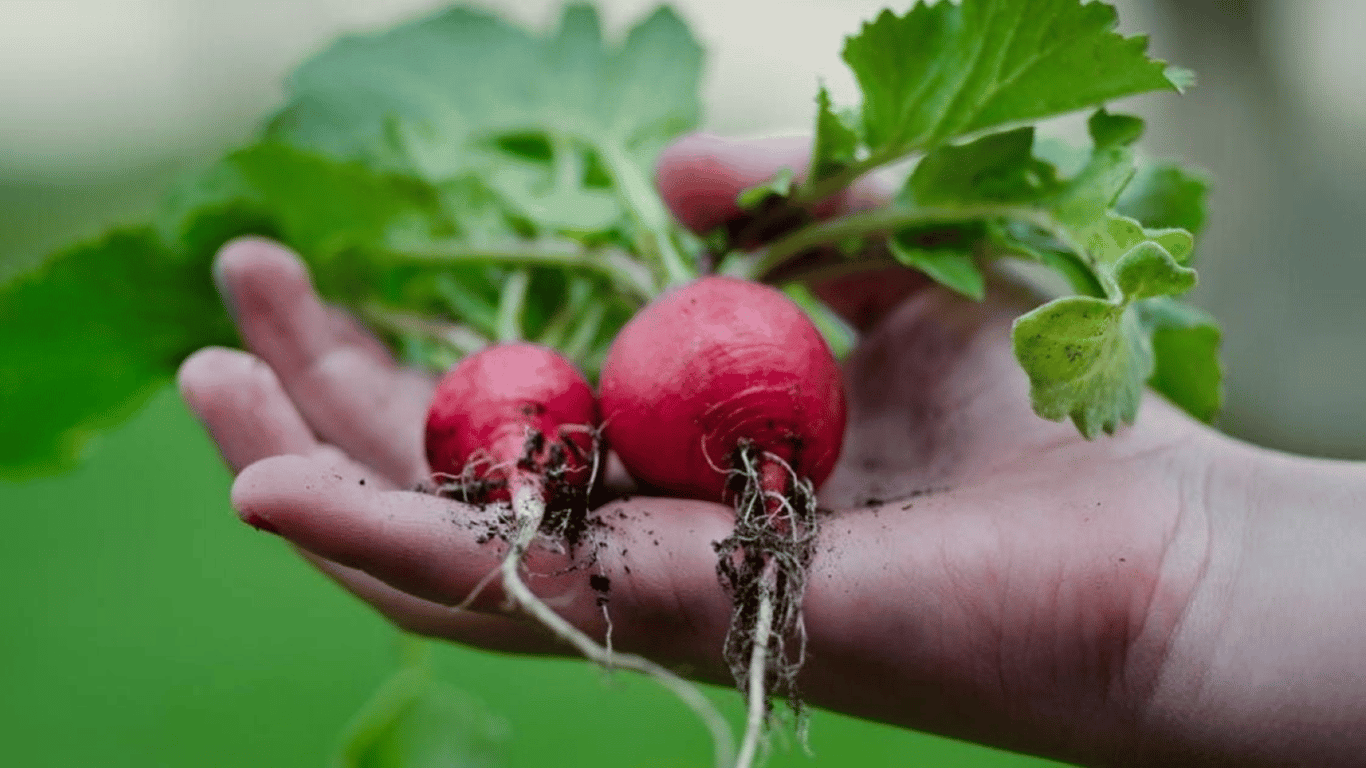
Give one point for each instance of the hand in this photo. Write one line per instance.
(989, 576)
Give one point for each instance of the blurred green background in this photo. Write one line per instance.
(145, 626)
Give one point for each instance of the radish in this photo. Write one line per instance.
(511, 422)
(724, 390)
(517, 424)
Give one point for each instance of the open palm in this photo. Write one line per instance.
(988, 574)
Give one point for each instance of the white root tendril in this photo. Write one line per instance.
(528, 506)
(756, 689)
(764, 565)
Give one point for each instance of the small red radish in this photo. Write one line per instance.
(724, 390)
(512, 416)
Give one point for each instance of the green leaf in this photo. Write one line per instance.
(778, 186)
(835, 146)
(1066, 223)
(565, 128)
(321, 207)
(1148, 270)
(1181, 78)
(946, 70)
(950, 266)
(91, 335)
(1018, 239)
(468, 304)
(416, 722)
(837, 332)
(1166, 195)
(102, 325)
(1087, 359)
(999, 168)
(1108, 129)
(342, 217)
(1083, 204)
(1186, 346)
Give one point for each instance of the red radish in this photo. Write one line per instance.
(711, 364)
(507, 416)
(517, 423)
(724, 390)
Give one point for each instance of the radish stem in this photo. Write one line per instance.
(655, 238)
(510, 305)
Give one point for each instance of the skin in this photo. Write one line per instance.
(1166, 596)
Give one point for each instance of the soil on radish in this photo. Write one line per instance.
(568, 522)
(742, 558)
(566, 517)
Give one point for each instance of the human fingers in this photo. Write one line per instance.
(645, 570)
(345, 385)
(239, 400)
(424, 617)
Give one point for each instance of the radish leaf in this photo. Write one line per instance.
(564, 128)
(780, 185)
(91, 335)
(1087, 359)
(1166, 195)
(951, 266)
(836, 142)
(948, 70)
(447, 149)
(1186, 348)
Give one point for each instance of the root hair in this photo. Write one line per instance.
(763, 565)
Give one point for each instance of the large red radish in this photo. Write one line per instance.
(724, 390)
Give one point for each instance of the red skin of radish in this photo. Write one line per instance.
(713, 363)
(486, 405)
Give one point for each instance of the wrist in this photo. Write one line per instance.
(1267, 665)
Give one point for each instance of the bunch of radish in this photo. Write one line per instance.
(721, 390)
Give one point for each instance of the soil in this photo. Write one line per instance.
(784, 534)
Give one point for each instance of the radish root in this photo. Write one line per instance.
(763, 565)
(757, 684)
(529, 517)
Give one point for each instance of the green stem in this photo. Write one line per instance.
(582, 339)
(511, 302)
(568, 165)
(648, 210)
(626, 273)
(810, 193)
(897, 217)
(580, 290)
(462, 339)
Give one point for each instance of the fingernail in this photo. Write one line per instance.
(261, 524)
